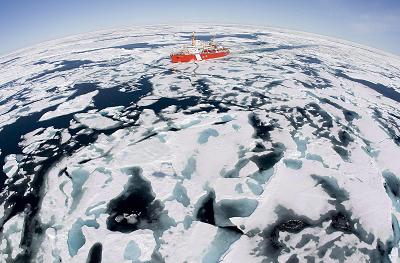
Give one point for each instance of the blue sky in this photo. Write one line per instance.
(370, 22)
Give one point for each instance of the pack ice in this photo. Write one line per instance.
(284, 151)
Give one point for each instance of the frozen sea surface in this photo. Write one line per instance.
(284, 151)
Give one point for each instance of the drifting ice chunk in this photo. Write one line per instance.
(96, 121)
(75, 105)
(148, 100)
(65, 136)
(111, 111)
(10, 167)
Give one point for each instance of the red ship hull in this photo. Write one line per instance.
(175, 58)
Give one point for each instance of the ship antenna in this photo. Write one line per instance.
(193, 39)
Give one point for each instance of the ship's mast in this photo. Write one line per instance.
(193, 39)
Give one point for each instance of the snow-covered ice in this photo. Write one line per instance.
(283, 151)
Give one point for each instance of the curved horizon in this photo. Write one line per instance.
(112, 29)
(369, 23)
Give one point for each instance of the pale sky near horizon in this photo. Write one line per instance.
(369, 22)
